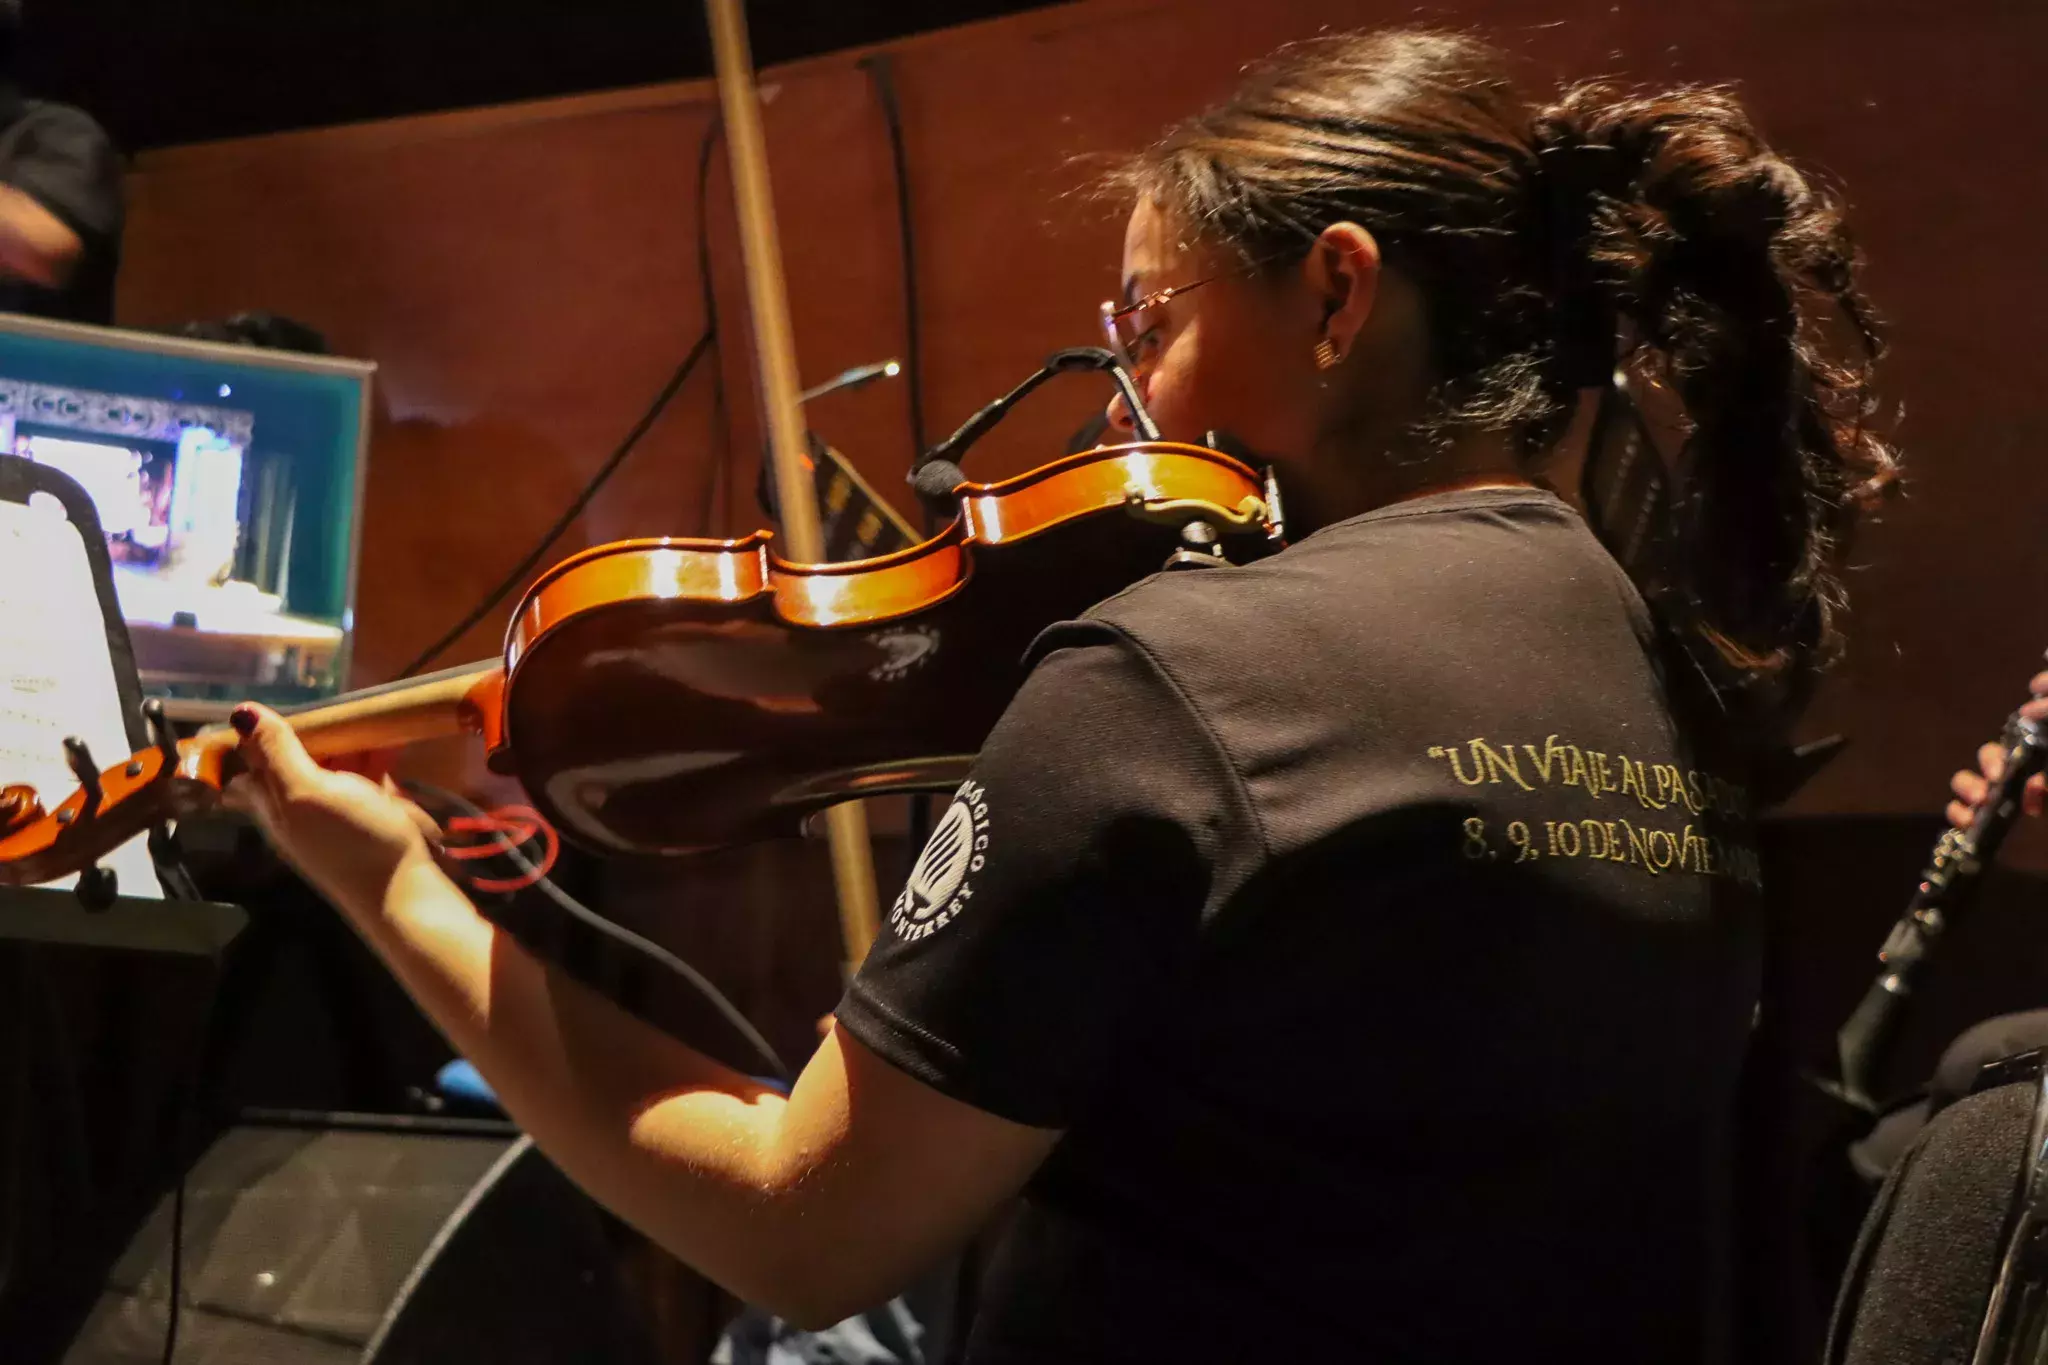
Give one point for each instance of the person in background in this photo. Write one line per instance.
(1874, 1156)
(61, 202)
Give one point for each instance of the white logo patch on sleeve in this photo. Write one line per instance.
(938, 888)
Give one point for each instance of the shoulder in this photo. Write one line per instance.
(1104, 731)
(1384, 573)
(1400, 612)
(1093, 690)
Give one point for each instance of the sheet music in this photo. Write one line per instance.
(56, 678)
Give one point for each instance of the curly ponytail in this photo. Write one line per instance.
(1716, 250)
(1543, 240)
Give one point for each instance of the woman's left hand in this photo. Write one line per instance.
(1971, 788)
(345, 834)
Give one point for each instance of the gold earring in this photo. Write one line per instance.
(1326, 354)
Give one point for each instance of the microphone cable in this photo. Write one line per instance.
(518, 574)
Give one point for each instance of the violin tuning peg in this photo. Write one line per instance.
(160, 732)
(97, 887)
(86, 771)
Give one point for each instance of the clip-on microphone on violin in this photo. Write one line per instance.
(937, 472)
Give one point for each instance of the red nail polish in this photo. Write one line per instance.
(243, 718)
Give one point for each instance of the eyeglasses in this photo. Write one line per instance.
(1131, 329)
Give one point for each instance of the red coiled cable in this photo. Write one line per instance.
(501, 831)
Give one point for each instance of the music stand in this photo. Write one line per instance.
(180, 922)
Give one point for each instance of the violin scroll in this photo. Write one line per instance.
(174, 778)
(19, 805)
(109, 807)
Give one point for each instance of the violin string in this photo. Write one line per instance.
(697, 982)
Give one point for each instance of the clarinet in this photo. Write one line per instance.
(1864, 1043)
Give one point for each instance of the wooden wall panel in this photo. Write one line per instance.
(526, 278)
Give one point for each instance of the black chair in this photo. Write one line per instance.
(1951, 1267)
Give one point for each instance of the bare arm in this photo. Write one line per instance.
(814, 1207)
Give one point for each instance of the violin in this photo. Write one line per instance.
(671, 696)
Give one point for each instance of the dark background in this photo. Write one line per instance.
(159, 73)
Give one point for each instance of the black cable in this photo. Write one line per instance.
(625, 937)
(883, 72)
(721, 458)
(625, 448)
(177, 1265)
(182, 1156)
(575, 509)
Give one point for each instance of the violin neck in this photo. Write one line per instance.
(434, 706)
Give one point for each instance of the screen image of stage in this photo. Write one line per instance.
(227, 481)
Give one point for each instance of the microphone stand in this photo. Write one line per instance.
(846, 826)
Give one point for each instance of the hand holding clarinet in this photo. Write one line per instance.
(1972, 786)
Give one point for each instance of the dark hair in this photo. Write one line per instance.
(265, 331)
(1537, 236)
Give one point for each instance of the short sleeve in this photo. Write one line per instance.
(65, 162)
(1048, 931)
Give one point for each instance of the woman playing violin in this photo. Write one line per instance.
(1364, 938)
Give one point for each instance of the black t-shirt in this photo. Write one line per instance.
(1380, 943)
(61, 158)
